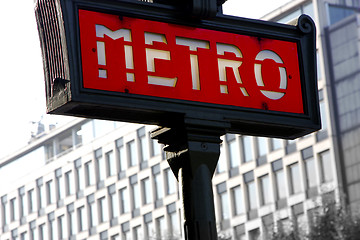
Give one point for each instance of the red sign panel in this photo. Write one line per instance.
(137, 56)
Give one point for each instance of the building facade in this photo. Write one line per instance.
(95, 179)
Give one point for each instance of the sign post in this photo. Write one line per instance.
(193, 155)
(198, 75)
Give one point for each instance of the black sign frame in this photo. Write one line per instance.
(58, 26)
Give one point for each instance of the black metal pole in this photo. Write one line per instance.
(193, 154)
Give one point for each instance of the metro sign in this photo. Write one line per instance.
(159, 59)
(139, 62)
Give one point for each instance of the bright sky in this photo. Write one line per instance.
(22, 91)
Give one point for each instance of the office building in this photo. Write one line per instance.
(95, 179)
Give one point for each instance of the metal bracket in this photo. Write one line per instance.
(192, 154)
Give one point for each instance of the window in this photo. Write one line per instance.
(49, 151)
(121, 155)
(265, 192)
(41, 194)
(279, 179)
(42, 235)
(171, 182)
(113, 202)
(135, 191)
(126, 235)
(61, 227)
(175, 224)
(158, 182)
(65, 142)
(262, 146)
(285, 225)
(5, 211)
(337, 13)
(155, 148)
(50, 192)
(33, 232)
(115, 237)
(90, 174)
(72, 223)
(103, 211)
(137, 234)
(124, 198)
(31, 201)
(111, 163)
(77, 135)
(14, 210)
(51, 226)
(22, 204)
(104, 235)
(158, 187)
(239, 231)
(223, 200)
(247, 148)
(174, 220)
(309, 10)
(326, 167)
(233, 150)
(251, 190)
(69, 182)
(268, 225)
(60, 187)
(290, 146)
(144, 148)
(280, 184)
(318, 66)
(160, 227)
(132, 156)
(24, 236)
(295, 14)
(254, 234)
(80, 179)
(146, 189)
(276, 144)
(100, 165)
(93, 220)
(82, 220)
(14, 235)
(149, 226)
(295, 178)
(310, 172)
(299, 221)
(125, 229)
(221, 166)
(323, 111)
(237, 199)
